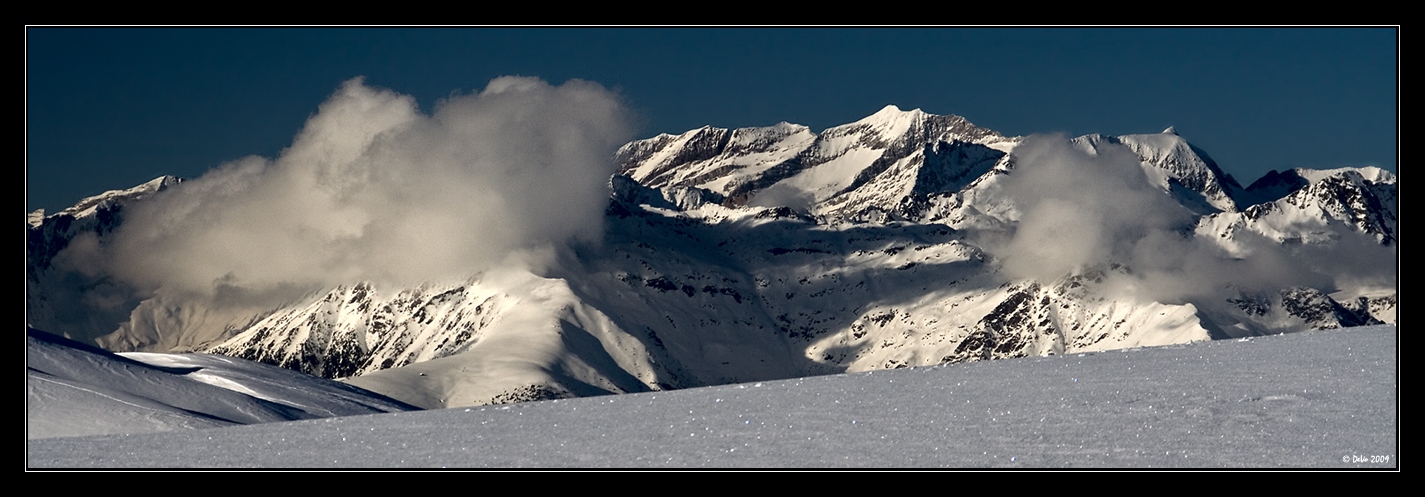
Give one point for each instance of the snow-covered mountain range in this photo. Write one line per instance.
(903, 239)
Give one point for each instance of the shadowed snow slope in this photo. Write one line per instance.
(1311, 399)
(76, 389)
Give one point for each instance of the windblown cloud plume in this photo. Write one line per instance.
(1088, 205)
(373, 189)
(1082, 206)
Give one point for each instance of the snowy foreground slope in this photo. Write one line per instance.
(73, 390)
(1320, 399)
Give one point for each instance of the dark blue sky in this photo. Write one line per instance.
(111, 108)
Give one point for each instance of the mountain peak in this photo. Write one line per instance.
(890, 121)
(888, 109)
(1172, 130)
(894, 113)
(90, 205)
(1369, 173)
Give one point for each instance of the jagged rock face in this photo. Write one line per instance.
(1291, 309)
(713, 158)
(1273, 186)
(1185, 171)
(888, 161)
(764, 253)
(1365, 205)
(1342, 200)
(1321, 311)
(354, 330)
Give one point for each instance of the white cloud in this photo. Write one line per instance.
(1083, 209)
(373, 189)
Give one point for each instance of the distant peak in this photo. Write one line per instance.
(1172, 130)
(893, 116)
(892, 111)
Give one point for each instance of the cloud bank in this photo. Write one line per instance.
(1082, 206)
(1086, 207)
(373, 189)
